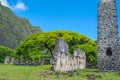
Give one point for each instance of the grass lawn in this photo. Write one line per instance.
(13, 72)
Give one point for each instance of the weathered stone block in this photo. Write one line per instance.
(7, 60)
(30, 62)
(23, 61)
(18, 61)
(12, 61)
(36, 61)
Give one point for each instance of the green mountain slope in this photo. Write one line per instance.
(13, 29)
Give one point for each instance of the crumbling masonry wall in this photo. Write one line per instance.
(62, 61)
(23, 61)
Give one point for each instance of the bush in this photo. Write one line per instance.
(4, 51)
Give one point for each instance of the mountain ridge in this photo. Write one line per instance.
(13, 29)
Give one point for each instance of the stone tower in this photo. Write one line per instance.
(108, 45)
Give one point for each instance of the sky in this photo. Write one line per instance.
(74, 15)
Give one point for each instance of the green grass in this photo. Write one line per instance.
(13, 72)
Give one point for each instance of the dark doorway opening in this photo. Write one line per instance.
(109, 51)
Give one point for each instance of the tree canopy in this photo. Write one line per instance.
(4, 51)
(43, 43)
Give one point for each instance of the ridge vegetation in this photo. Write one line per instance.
(13, 29)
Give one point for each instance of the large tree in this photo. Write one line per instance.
(39, 44)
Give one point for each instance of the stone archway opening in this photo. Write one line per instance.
(109, 51)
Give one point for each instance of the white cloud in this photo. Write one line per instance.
(5, 3)
(20, 6)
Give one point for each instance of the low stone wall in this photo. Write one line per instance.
(30, 62)
(62, 61)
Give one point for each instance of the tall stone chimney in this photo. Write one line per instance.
(108, 45)
(106, 1)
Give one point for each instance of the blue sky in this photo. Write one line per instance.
(75, 15)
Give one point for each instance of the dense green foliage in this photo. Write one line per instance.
(13, 29)
(13, 72)
(40, 44)
(4, 51)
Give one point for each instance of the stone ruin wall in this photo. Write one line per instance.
(62, 61)
(30, 62)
